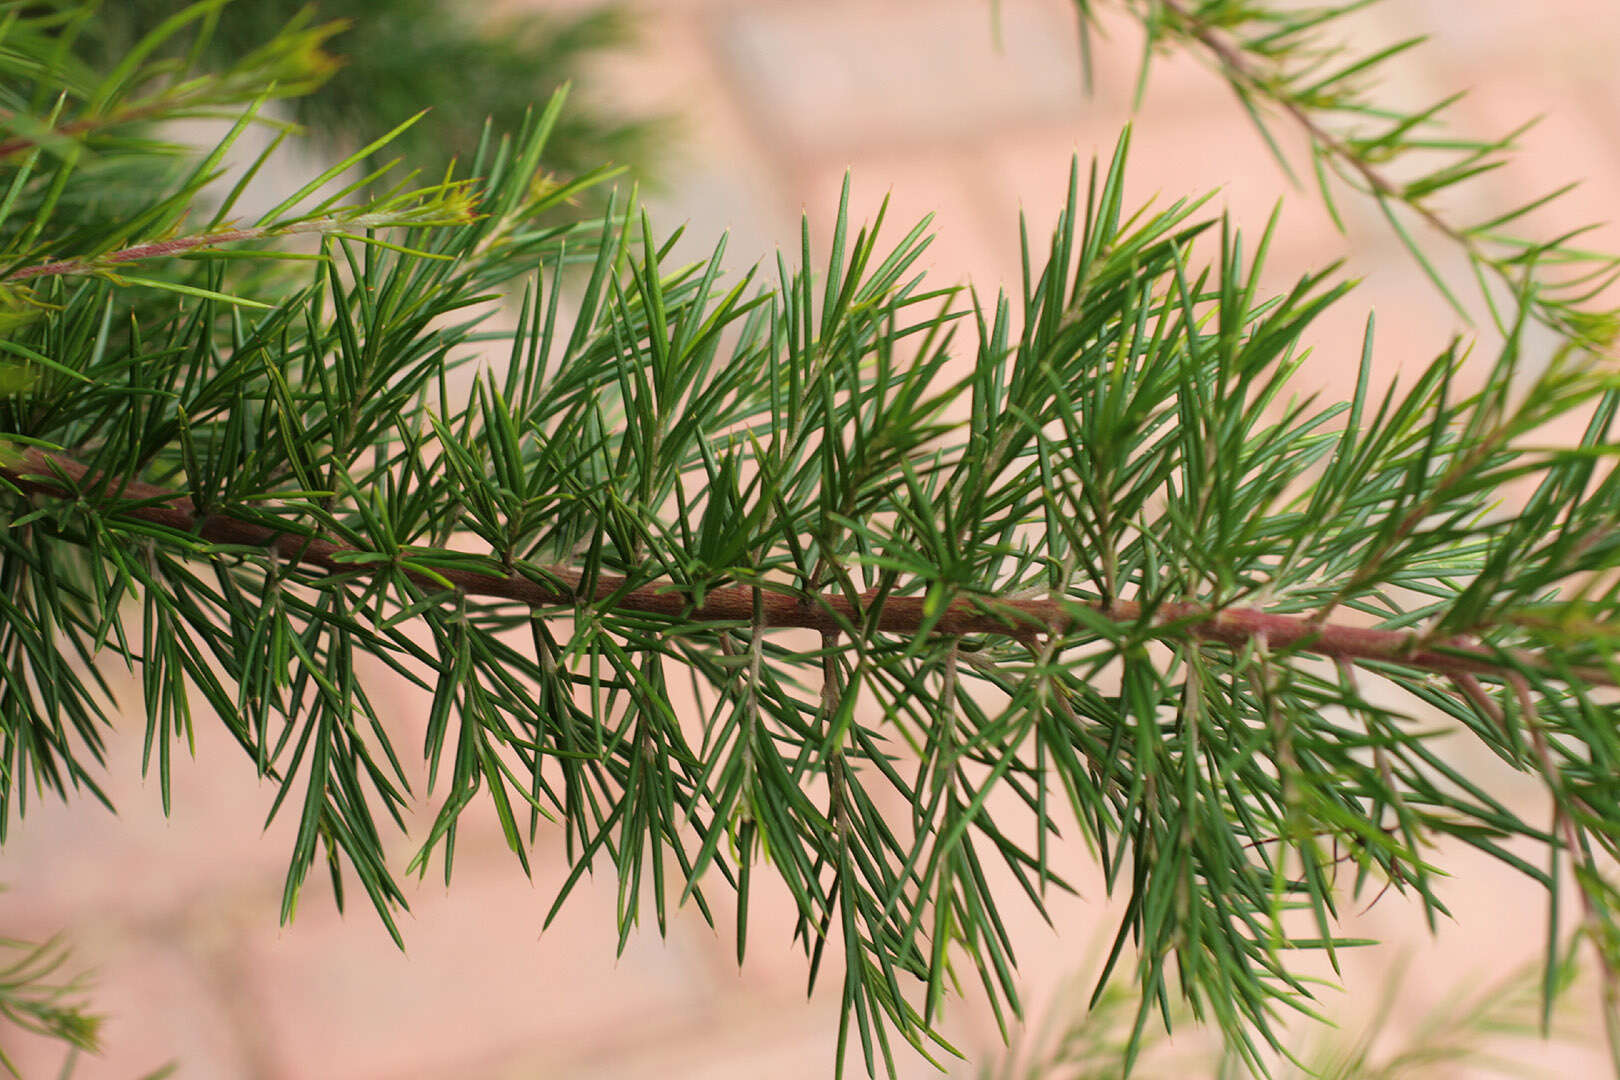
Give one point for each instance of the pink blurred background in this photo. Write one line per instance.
(179, 916)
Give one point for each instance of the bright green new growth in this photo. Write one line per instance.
(1072, 561)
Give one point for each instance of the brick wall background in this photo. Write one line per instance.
(777, 100)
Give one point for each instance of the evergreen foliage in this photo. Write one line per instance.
(398, 57)
(35, 999)
(1114, 580)
(1289, 64)
(1084, 1037)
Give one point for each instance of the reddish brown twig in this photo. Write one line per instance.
(156, 249)
(46, 473)
(181, 245)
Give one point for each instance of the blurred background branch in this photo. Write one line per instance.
(402, 56)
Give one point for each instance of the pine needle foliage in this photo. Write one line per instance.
(953, 579)
(1290, 67)
(34, 997)
(1471, 1029)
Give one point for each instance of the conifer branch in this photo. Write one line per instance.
(79, 128)
(206, 242)
(1286, 57)
(292, 64)
(1241, 68)
(56, 475)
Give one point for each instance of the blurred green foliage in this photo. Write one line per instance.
(401, 56)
